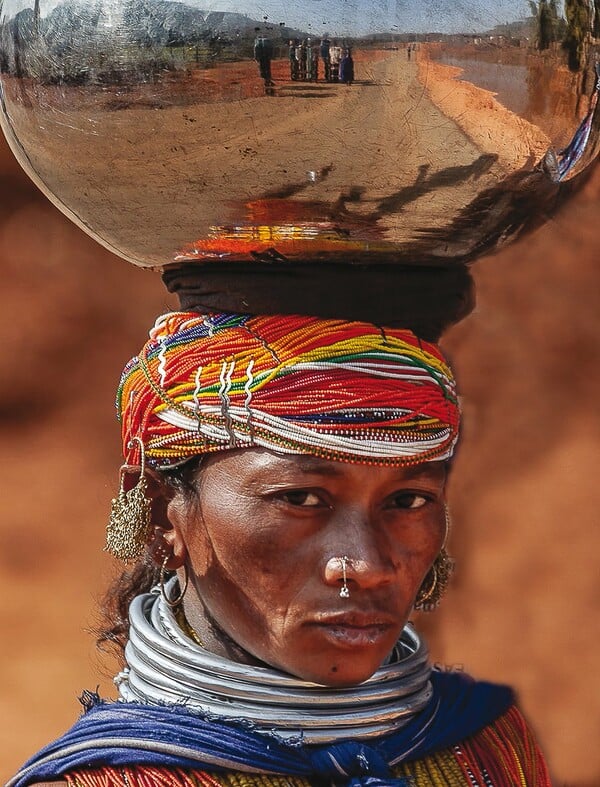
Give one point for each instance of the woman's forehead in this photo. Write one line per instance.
(265, 463)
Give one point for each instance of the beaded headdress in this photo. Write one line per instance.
(347, 391)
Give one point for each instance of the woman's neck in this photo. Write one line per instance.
(197, 622)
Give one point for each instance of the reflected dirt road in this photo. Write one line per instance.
(372, 163)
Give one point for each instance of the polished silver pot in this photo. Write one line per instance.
(418, 132)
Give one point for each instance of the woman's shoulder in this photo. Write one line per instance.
(512, 740)
(504, 753)
(510, 743)
(489, 732)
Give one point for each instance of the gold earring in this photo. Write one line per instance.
(435, 583)
(129, 522)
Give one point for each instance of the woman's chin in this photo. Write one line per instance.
(337, 657)
(335, 674)
(333, 662)
(345, 681)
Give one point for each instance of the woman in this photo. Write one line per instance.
(347, 68)
(291, 471)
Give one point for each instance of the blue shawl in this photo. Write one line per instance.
(128, 734)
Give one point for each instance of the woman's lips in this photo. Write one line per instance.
(356, 636)
(355, 629)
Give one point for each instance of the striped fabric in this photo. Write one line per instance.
(503, 754)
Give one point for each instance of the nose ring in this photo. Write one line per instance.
(344, 590)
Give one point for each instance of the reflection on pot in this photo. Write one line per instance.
(241, 130)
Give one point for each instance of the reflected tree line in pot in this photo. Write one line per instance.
(79, 43)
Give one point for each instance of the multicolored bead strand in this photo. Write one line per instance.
(347, 391)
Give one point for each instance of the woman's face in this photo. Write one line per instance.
(264, 538)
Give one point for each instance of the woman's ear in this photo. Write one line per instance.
(166, 547)
(177, 513)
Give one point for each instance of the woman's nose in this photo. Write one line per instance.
(347, 571)
(361, 560)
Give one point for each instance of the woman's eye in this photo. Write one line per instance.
(410, 500)
(301, 497)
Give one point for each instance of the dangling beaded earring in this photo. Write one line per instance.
(437, 578)
(129, 523)
(435, 583)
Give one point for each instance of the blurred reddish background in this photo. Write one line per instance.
(524, 495)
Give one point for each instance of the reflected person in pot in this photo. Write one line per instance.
(283, 510)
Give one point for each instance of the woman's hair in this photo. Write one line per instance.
(113, 628)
